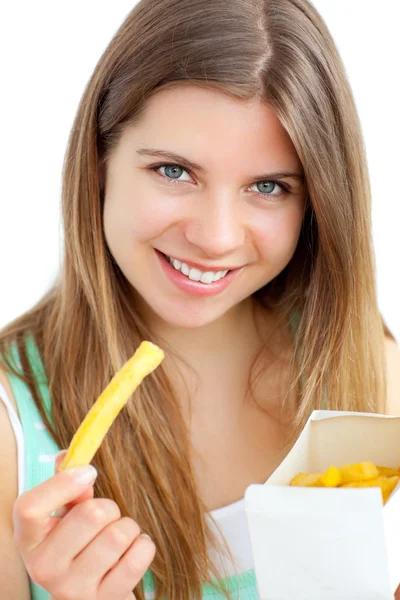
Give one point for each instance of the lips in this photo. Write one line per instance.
(194, 286)
(195, 274)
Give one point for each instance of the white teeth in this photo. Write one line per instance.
(219, 275)
(196, 274)
(207, 277)
(185, 269)
(176, 264)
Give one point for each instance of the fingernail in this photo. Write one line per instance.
(146, 536)
(83, 475)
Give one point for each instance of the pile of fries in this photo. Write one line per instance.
(359, 475)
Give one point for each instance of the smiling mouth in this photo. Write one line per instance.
(195, 274)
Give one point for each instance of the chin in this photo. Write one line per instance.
(189, 319)
(186, 316)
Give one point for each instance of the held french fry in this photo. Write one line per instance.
(100, 417)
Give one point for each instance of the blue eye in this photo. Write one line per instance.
(174, 172)
(266, 188)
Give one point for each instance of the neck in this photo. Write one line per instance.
(217, 337)
(212, 363)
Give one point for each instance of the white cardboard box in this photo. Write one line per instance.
(328, 543)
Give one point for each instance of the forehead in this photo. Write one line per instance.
(208, 125)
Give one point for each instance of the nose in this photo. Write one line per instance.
(217, 228)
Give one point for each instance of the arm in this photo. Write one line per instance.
(392, 352)
(14, 582)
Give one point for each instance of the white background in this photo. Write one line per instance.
(48, 51)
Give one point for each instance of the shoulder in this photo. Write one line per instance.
(392, 354)
(13, 577)
(7, 387)
(8, 449)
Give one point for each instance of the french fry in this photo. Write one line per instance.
(387, 485)
(335, 477)
(329, 479)
(358, 472)
(306, 479)
(100, 417)
(388, 472)
(358, 475)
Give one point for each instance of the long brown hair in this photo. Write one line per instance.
(86, 326)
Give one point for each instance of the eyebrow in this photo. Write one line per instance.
(176, 158)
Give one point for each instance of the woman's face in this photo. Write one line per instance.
(204, 201)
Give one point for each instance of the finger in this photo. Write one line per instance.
(59, 458)
(74, 532)
(104, 552)
(129, 571)
(32, 510)
(130, 597)
(87, 495)
(61, 512)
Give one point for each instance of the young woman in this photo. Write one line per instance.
(215, 202)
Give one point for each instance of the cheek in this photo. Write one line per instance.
(137, 216)
(277, 235)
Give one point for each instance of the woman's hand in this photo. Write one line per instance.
(86, 550)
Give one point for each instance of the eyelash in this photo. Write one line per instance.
(285, 189)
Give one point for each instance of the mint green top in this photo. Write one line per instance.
(40, 450)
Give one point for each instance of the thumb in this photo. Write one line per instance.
(87, 494)
(59, 458)
(33, 510)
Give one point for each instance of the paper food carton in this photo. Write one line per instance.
(328, 543)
